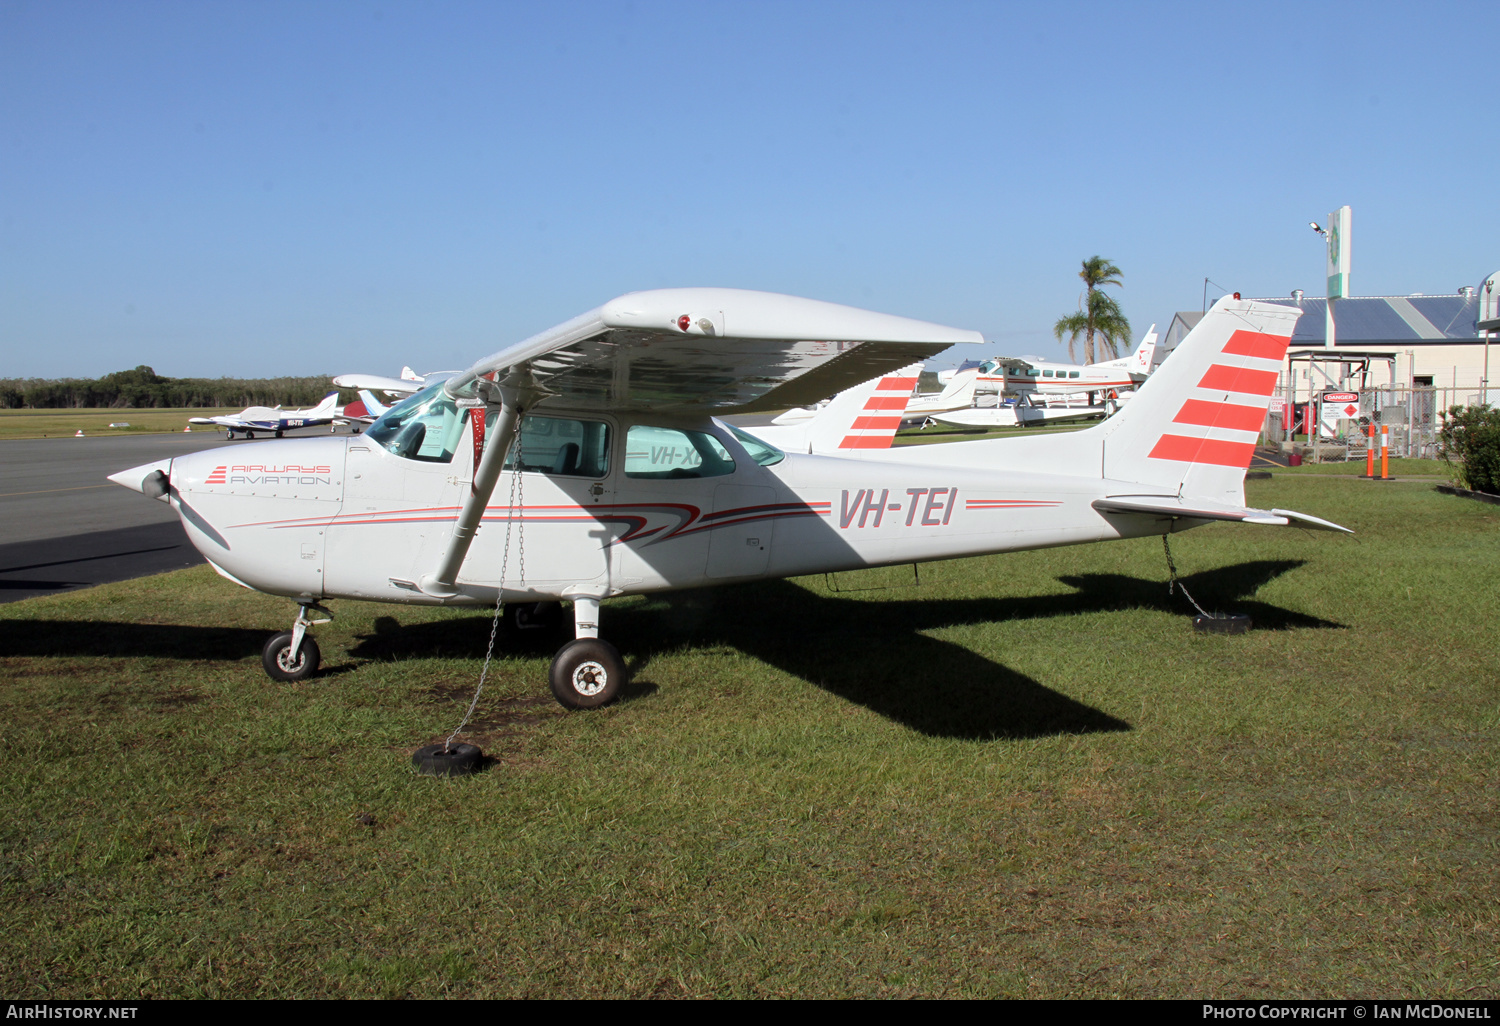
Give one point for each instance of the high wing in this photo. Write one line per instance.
(713, 350)
(396, 386)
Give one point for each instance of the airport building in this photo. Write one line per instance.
(1384, 341)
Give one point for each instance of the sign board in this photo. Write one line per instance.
(1339, 223)
(1336, 406)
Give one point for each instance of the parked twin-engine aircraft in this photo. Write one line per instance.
(622, 481)
(274, 421)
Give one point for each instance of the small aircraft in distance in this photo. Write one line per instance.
(274, 421)
(957, 394)
(859, 420)
(1021, 413)
(1022, 375)
(623, 482)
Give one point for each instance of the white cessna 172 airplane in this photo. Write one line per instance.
(624, 483)
(274, 421)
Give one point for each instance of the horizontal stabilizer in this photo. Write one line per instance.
(1171, 506)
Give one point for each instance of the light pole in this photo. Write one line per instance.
(1328, 329)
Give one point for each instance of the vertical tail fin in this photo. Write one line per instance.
(865, 416)
(1191, 428)
(373, 405)
(327, 406)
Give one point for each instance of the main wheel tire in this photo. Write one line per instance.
(586, 673)
(440, 761)
(250, 436)
(229, 434)
(276, 657)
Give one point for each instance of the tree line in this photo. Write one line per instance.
(143, 389)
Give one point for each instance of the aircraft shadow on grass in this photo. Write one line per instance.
(873, 653)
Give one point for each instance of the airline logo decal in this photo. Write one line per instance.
(882, 415)
(263, 474)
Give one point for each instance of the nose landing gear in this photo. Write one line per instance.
(293, 655)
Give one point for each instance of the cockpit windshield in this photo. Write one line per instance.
(426, 427)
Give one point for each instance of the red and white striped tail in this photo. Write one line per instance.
(875, 424)
(1192, 426)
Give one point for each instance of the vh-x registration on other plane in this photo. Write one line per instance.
(623, 481)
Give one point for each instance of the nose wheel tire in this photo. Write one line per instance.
(586, 673)
(277, 658)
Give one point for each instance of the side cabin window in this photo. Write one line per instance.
(660, 453)
(1033, 372)
(427, 427)
(562, 447)
(1072, 374)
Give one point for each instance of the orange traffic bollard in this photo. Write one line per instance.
(1370, 453)
(1385, 459)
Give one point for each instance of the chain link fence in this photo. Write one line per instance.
(1412, 418)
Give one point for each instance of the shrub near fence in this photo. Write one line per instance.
(1471, 439)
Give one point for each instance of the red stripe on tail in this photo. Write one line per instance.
(1253, 343)
(1203, 450)
(1235, 379)
(1225, 415)
(881, 402)
(866, 442)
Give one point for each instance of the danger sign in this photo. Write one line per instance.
(1346, 403)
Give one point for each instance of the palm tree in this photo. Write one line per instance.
(1099, 314)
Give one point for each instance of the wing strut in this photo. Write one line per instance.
(517, 393)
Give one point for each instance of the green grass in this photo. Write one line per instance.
(52, 423)
(1400, 467)
(1027, 777)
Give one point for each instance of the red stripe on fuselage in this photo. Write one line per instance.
(1203, 450)
(1238, 379)
(1253, 343)
(1225, 415)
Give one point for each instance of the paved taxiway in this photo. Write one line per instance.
(63, 526)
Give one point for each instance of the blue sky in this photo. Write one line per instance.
(261, 188)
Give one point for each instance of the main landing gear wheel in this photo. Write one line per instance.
(441, 761)
(229, 434)
(277, 658)
(586, 673)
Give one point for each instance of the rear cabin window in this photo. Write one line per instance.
(561, 447)
(661, 453)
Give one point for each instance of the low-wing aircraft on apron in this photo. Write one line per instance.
(623, 481)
